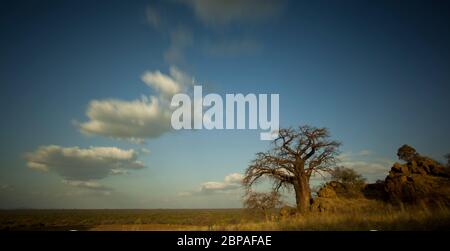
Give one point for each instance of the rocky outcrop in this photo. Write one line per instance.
(419, 180)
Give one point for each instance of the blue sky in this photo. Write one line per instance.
(374, 72)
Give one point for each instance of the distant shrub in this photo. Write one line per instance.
(260, 203)
(348, 177)
(407, 153)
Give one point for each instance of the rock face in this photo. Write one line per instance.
(332, 189)
(326, 197)
(419, 180)
(333, 196)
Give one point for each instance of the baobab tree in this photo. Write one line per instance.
(296, 156)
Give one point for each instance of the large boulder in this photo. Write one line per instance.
(334, 189)
(419, 180)
(334, 195)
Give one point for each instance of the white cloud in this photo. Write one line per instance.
(78, 164)
(234, 178)
(231, 182)
(145, 151)
(137, 119)
(119, 171)
(166, 85)
(223, 12)
(183, 79)
(217, 186)
(161, 82)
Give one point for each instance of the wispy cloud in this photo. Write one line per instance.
(231, 183)
(89, 185)
(366, 163)
(216, 16)
(225, 12)
(153, 17)
(181, 38)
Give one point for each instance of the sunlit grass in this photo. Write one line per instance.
(371, 216)
(358, 214)
(420, 220)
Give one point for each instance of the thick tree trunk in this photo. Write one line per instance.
(302, 194)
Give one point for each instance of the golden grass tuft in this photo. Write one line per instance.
(357, 214)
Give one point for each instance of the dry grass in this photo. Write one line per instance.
(347, 214)
(360, 214)
(148, 227)
(121, 219)
(331, 221)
